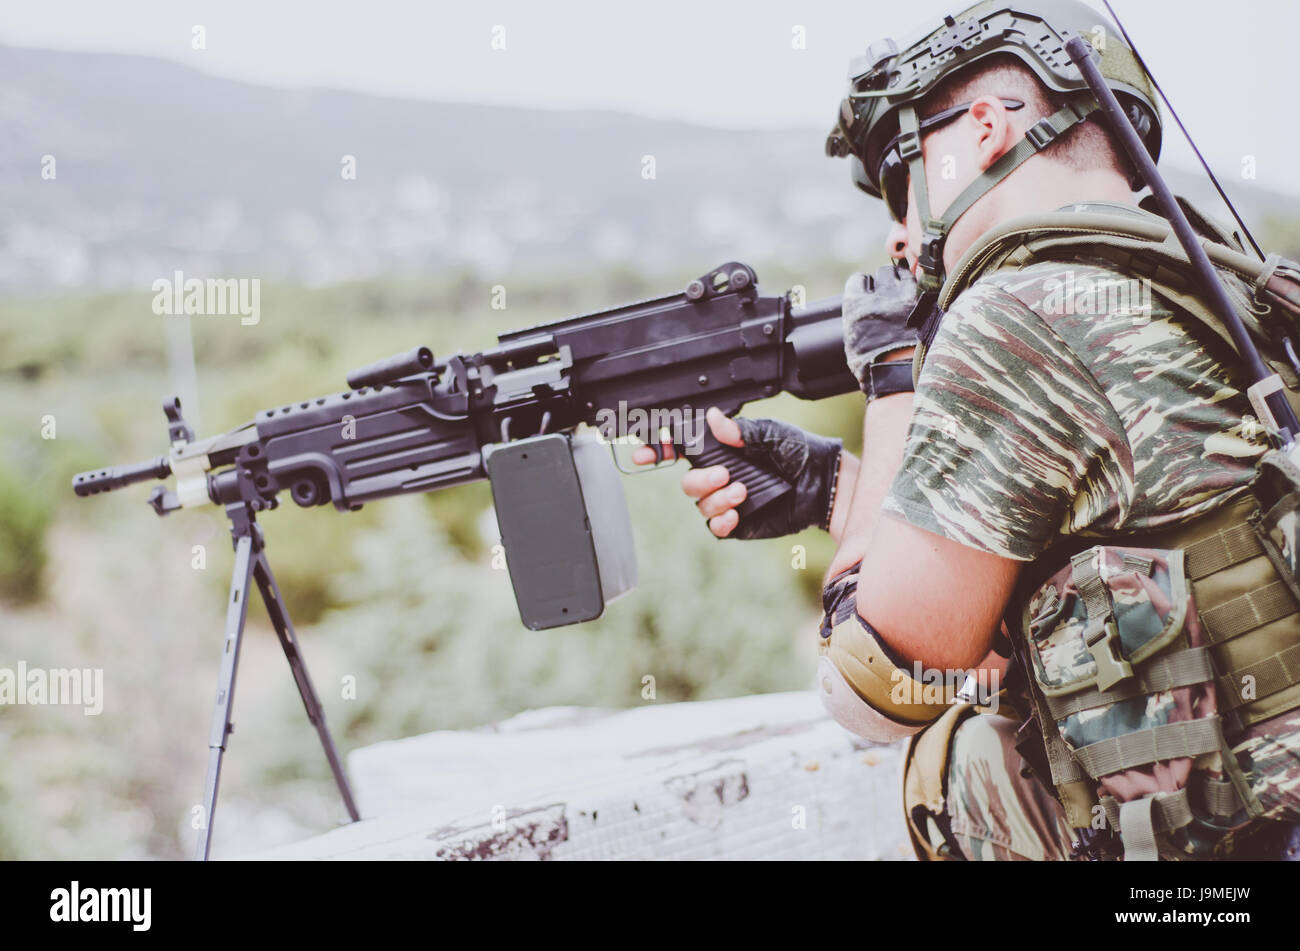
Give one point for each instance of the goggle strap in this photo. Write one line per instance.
(1039, 136)
(939, 118)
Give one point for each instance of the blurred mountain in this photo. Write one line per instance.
(158, 167)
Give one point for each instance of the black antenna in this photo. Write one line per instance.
(1267, 392)
(1187, 135)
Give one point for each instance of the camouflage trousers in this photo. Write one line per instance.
(997, 813)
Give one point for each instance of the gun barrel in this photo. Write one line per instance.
(826, 308)
(117, 477)
(817, 344)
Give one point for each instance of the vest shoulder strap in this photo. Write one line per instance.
(1144, 246)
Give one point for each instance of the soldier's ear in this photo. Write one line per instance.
(995, 133)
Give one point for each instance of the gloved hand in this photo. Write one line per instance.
(875, 319)
(808, 462)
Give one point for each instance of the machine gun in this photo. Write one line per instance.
(523, 414)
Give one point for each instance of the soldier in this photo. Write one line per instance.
(1073, 461)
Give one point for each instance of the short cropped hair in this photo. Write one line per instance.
(1087, 145)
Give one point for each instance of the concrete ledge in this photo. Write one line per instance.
(762, 777)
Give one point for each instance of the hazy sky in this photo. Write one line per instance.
(1229, 67)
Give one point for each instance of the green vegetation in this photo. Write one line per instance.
(25, 515)
(399, 603)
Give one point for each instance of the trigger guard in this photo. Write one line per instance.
(660, 461)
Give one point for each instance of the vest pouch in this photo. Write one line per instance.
(1118, 654)
(1109, 609)
(1277, 487)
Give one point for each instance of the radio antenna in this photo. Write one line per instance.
(1187, 135)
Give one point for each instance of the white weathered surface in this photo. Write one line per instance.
(763, 777)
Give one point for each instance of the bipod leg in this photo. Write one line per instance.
(289, 641)
(236, 614)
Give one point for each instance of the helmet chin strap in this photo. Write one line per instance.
(936, 230)
(934, 234)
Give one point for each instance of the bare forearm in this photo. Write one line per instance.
(883, 434)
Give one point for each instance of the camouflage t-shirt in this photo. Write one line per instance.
(1065, 397)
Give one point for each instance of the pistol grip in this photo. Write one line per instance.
(763, 485)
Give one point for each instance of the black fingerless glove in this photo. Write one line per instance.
(810, 463)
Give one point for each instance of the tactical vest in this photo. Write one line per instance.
(1148, 654)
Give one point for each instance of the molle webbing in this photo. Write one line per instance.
(1271, 675)
(1249, 616)
(1177, 740)
(1181, 669)
(1254, 633)
(1223, 549)
(1252, 629)
(1217, 797)
(1169, 811)
(1247, 612)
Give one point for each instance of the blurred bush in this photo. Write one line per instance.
(26, 512)
(435, 642)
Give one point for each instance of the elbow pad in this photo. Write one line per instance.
(861, 686)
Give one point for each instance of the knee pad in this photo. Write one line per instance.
(849, 710)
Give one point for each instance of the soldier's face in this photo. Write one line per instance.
(898, 242)
(940, 148)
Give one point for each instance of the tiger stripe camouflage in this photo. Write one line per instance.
(1029, 424)
(1064, 398)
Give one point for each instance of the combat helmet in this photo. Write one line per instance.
(879, 124)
